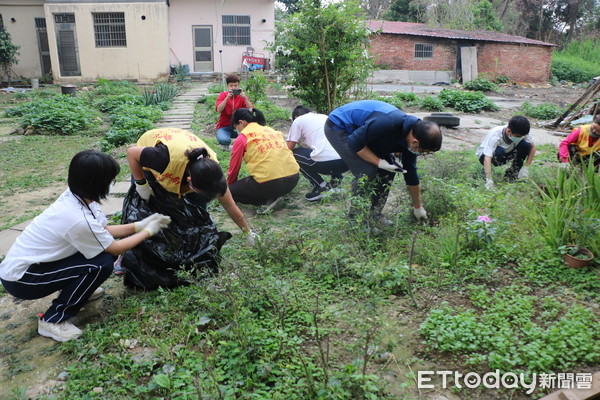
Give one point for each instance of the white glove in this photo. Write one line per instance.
(156, 224)
(397, 167)
(252, 238)
(523, 173)
(141, 225)
(420, 214)
(145, 191)
(489, 184)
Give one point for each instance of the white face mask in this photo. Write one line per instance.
(111, 186)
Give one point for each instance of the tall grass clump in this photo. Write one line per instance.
(578, 62)
(161, 95)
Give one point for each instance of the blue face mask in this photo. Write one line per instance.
(414, 152)
(515, 139)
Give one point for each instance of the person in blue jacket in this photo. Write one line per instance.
(377, 140)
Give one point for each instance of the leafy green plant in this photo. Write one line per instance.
(8, 53)
(402, 99)
(255, 86)
(574, 251)
(431, 103)
(481, 85)
(129, 122)
(466, 101)
(106, 87)
(540, 111)
(161, 95)
(323, 49)
(108, 104)
(58, 115)
(577, 62)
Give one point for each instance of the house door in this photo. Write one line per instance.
(203, 51)
(66, 41)
(468, 61)
(42, 35)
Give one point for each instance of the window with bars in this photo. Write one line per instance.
(109, 29)
(236, 30)
(423, 50)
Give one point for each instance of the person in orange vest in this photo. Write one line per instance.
(581, 144)
(273, 170)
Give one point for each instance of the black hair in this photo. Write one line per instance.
(519, 125)
(232, 78)
(248, 115)
(206, 174)
(428, 134)
(90, 174)
(298, 111)
(596, 120)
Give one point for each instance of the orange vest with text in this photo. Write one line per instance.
(267, 155)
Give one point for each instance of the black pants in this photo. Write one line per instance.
(248, 191)
(312, 169)
(518, 156)
(75, 276)
(377, 182)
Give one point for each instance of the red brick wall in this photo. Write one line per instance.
(521, 63)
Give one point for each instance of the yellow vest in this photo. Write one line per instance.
(178, 141)
(267, 155)
(583, 147)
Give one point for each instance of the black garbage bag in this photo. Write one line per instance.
(190, 242)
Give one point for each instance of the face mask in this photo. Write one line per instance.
(412, 151)
(111, 187)
(515, 139)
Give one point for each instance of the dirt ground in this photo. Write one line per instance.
(19, 342)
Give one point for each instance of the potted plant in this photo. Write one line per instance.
(576, 256)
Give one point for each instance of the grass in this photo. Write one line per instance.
(325, 309)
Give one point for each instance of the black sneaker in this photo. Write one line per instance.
(316, 194)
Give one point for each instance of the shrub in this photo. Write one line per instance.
(540, 111)
(573, 70)
(431, 103)
(255, 86)
(109, 103)
(129, 122)
(481, 85)
(106, 87)
(466, 101)
(59, 115)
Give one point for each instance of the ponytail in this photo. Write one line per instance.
(248, 115)
(205, 173)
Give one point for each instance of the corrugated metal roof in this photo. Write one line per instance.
(415, 29)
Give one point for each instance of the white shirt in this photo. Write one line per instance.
(66, 227)
(309, 129)
(494, 139)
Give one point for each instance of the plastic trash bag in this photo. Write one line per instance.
(190, 242)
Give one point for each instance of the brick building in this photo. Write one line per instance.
(428, 54)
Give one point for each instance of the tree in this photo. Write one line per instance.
(324, 49)
(8, 53)
(406, 11)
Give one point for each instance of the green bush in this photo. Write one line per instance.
(59, 115)
(106, 87)
(481, 85)
(573, 70)
(109, 103)
(431, 103)
(466, 101)
(129, 122)
(255, 87)
(540, 111)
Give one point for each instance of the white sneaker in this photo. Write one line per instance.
(60, 332)
(99, 292)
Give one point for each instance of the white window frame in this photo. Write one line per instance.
(233, 27)
(423, 51)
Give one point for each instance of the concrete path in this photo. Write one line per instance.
(180, 115)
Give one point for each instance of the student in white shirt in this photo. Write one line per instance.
(507, 143)
(318, 156)
(71, 248)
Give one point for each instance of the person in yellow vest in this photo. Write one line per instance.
(582, 143)
(182, 164)
(273, 169)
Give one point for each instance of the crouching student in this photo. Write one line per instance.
(507, 143)
(581, 144)
(71, 248)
